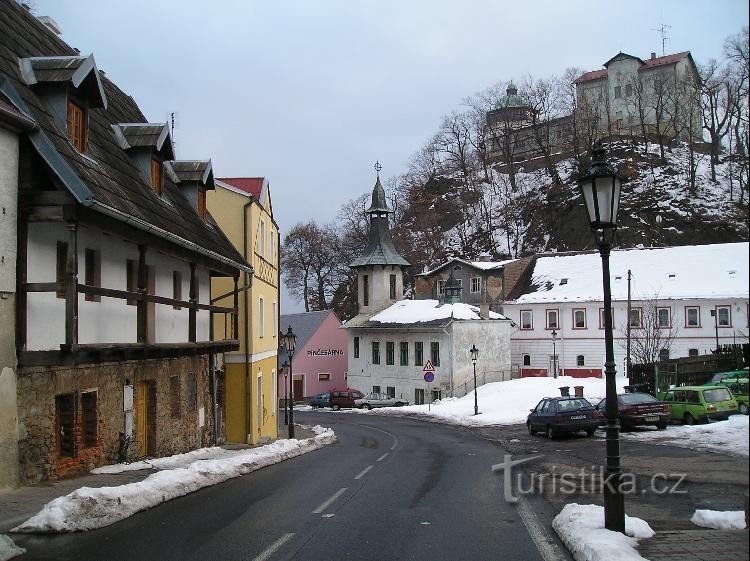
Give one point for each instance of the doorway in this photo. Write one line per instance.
(299, 387)
(145, 411)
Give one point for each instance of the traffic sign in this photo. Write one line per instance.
(428, 367)
(429, 376)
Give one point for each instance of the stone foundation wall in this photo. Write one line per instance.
(177, 428)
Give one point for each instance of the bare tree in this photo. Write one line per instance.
(717, 107)
(652, 331)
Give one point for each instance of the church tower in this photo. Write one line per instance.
(380, 277)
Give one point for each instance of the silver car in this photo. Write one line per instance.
(372, 400)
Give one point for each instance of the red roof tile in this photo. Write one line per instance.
(252, 185)
(649, 63)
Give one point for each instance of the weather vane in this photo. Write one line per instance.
(378, 167)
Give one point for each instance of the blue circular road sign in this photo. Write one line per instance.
(429, 376)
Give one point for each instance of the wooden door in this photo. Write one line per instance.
(145, 417)
(299, 388)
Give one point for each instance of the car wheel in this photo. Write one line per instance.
(367, 406)
(532, 431)
(400, 404)
(743, 409)
(335, 407)
(551, 433)
(661, 426)
(688, 419)
(590, 432)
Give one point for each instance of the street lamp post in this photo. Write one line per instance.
(715, 315)
(601, 186)
(285, 370)
(474, 352)
(554, 354)
(289, 341)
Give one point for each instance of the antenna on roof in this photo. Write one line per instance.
(662, 29)
(172, 119)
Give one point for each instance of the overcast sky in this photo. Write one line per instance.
(309, 94)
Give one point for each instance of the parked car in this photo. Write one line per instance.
(739, 390)
(344, 398)
(372, 400)
(699, 403)
(556, 415)
(638, 409)
(730, 375)
(320, 400)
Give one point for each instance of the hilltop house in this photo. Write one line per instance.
(320, 355)
(685, 301)
(115, 253)
(394, 343)
(242, 207)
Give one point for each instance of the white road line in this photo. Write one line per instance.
(273, 548)
(363, 472)
(329, 502)
(393, 436)
(381, 458)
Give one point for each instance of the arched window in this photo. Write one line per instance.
(579, 360)
(527, 360)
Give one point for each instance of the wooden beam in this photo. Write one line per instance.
(21, 277)
(71, 283)
(192, 317)
(45, 214)
(42, 287)
(142, 321)
(236, 311)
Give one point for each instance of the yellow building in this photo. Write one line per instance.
(242, 208)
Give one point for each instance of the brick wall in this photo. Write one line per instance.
(39, 457)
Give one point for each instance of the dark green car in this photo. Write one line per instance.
(739, 389)
(691, 404)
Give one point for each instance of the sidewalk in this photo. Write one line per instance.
(17, 505)
(697, 545)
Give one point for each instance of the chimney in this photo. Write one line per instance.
(484, 311)
(653, 56)
(51, 24)
(485, 257)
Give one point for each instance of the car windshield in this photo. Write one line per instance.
(718, 394)
(571, 404)
(631, 398)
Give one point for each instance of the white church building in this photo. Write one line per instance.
(416, 349)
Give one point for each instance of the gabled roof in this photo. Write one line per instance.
(304, 326)
(644, 65)
(105, 179)
(251, 185)
(664, 273)
(419, 314)
(479, 265)
(145, 135)
(79, 71)
(199, 171)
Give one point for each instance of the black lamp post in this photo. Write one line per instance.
(289, 341)
(474, 352)
(600, 186)
(554, 354)
(715, 315)
(285, 370)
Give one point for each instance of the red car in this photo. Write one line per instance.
(638, 410)
(344, 398)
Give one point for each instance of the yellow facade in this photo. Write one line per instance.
(251, 396)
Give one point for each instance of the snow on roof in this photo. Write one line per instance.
(483, 265)
(418, 311)
(698, 271)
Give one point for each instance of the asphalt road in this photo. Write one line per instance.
(389, 489)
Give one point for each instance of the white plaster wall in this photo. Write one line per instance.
(492, 339)
(171, 325)
(380, 287)
(590, 341)
(8, 198)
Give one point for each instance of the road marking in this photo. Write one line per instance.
(363, 472)
(545, 544)
(273, 548)
(393, 436)
(381, 458)
(328, 503)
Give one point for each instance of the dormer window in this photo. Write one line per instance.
(195, 177)
(77, 125)
(157, 179)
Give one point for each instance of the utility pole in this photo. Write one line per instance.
(627, 344)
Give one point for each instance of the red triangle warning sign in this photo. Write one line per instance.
(428, 367)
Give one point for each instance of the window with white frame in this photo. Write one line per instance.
(476, 284)
(261, 322)
(664, 318)
(579, 318)
(692, 316)
(636, 317)
(552, 319)
(527, 319)
(724, 316)
(440, 287)
(601, 318)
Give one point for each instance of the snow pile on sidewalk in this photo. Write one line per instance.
(719, 520)
(581, 528)
(729, 437)
(8, 549)
(88, 508)
(171, 462)
(502, 403)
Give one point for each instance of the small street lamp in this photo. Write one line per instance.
(474, 352)
(285, 370)
(289, 339)
(600, 186)
(715, 315)
(554, 354)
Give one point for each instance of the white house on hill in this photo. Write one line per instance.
(392, 342)
(684, 301)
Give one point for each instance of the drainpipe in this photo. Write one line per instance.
(246, 321)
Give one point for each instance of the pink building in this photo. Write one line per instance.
(320, 357)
